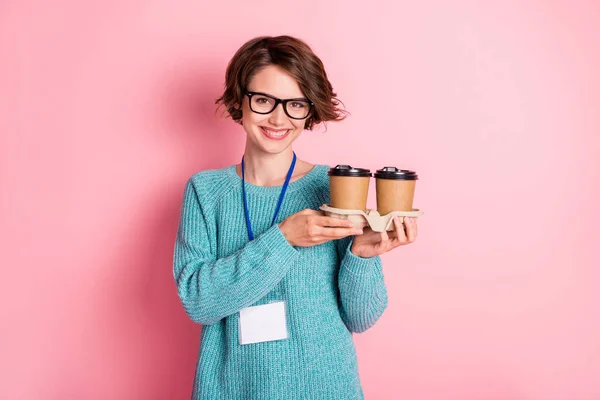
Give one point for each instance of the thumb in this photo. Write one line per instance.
(310, 211)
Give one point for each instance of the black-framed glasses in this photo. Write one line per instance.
(262, 103)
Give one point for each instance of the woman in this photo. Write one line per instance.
(278, 287)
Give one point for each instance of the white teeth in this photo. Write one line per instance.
(282, 133)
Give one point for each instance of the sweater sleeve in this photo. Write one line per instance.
(363, 293)
(212, 289)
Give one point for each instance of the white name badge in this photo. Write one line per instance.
(263, 323)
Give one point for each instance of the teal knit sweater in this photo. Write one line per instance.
(328, 291)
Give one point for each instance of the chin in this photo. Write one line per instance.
(274, 150)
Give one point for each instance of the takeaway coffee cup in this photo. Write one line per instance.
(349, 187)
(395, 189)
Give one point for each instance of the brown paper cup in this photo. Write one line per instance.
(349, 193)
(395, 189)
(394, 195)
(349, 187)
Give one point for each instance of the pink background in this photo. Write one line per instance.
(107, 109)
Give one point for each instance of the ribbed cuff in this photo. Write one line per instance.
(359, 265)
(279, 250)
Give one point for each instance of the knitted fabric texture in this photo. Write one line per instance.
(329, 292)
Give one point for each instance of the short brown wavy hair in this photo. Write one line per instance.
(298, 60)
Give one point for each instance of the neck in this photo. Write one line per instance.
(264, 169)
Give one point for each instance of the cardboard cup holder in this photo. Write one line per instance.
(371, 218)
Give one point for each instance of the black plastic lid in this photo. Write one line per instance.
(395, 173)
(347, 170)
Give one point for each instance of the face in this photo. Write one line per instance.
(274, 132)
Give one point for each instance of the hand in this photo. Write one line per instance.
(309, 228)
(372, 243)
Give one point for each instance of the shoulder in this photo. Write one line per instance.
(210, 175)
(317, 184)
(320, 174)
(211, 184)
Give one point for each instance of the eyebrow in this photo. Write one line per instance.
(267, 94)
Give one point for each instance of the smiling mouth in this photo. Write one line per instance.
(275, 135)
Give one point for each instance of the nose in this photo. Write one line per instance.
(277, 116)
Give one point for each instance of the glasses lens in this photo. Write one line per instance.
(262, 104)
(298, 108)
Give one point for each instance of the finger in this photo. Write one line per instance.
(310, 211)
(415, 226)
(393, 234)
(332, 222)
(411, 227)
(337, 233)
(384, 236)
(400, 234)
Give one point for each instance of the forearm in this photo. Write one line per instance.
(363, 293)
(211, 290)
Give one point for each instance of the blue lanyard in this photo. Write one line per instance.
(283, 190)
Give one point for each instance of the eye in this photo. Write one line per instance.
(298, 104)
(263, 100)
